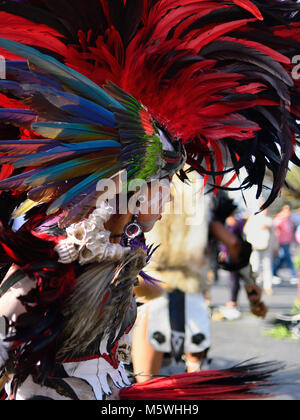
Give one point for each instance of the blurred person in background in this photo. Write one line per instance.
(236, 226)
(260, 234)
(285, 232)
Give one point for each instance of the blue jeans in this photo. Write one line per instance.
(284, 257)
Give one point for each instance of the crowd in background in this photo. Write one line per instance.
(273, 241)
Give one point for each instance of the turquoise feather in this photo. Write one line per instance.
(73, 104)
(70, 131)
(51, 173)
(69, 77)
(64, 102)
(62, 152)
(81, 188)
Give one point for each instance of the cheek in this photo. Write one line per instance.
(153, 206)
(166, 196)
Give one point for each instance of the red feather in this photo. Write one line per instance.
(220, 164)
(250, 7)
(231, 181)
(146, 122)
(185, 15)
(10, 103)
(232, 384)
(105, 8)
(203, 38)
(22, 30)
(277, 56)
(293, 31)
(3, 395)
(5, 172)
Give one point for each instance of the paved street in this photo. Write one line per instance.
(237, 341)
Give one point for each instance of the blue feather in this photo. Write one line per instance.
(80, 208)
(83, 104)
(93, 145)
(25, 142)
(22, 74)
(55, 155)
(93, 179)
(75, 105)
(17, 182)
(54, 173)
(72, 131)
(61, 152)
(50, 174)
(52, 190)
(69, 77)
(19, 64)
(24, 146)
(12, 88)
(18, 116)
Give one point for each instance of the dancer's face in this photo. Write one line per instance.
(153, 202)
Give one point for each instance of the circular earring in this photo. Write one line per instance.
(132, 230)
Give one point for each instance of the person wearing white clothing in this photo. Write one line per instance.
(260, 234)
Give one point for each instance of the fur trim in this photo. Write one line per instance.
(99, 304)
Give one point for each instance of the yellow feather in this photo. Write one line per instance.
(24, 208)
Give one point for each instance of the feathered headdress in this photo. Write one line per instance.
(105, 81)
(99, 86)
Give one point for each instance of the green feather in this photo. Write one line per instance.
(142, 153)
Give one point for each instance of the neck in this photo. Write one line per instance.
(116, 226)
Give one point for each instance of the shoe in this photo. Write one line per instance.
(230, 313)
(294, 281)
(231, 304)
(288, 318)
(276, 280)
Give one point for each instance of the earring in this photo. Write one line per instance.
(133, 229)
